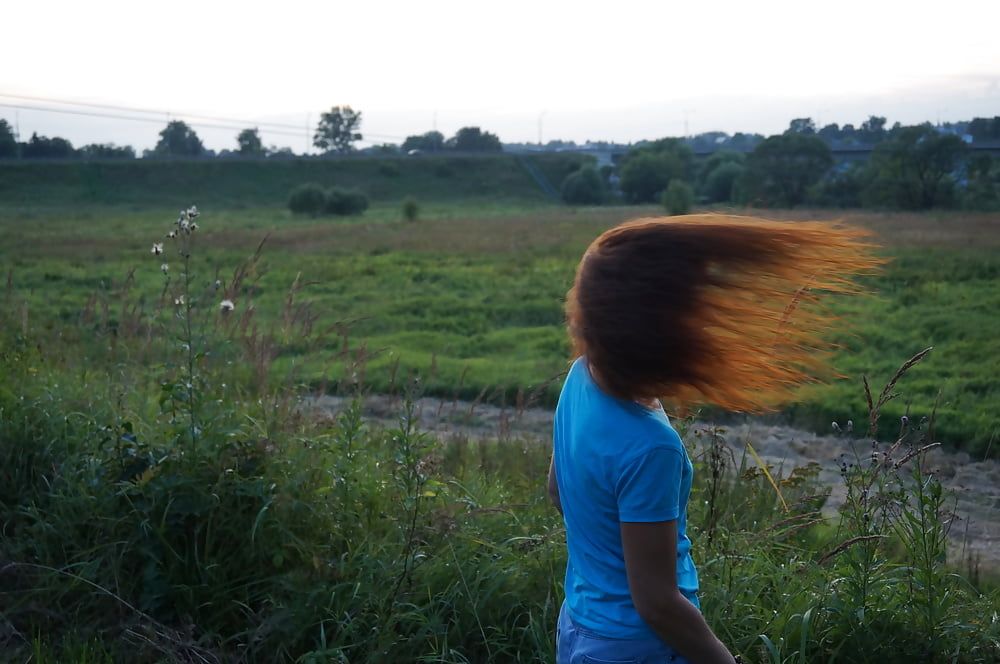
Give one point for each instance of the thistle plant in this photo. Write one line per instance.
(184, 394)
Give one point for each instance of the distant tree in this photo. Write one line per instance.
(841, 187)
(717, 159)
(107, 151)
(178, 140)
(985, 129)
(557, 144)
(872, 130)
(830, 132)
(802, 126)
(719, 186)
(431, 141)
(274, 152)
(384, 149)
(8, 142)
(848, 133)
(338, 129)
(474, 139)
(42, 147)
(250, 143)
(744, 142)
(709, 140)
(982, 190)
(646, 172)
(584, 186)
(782, 168)
(913, 169)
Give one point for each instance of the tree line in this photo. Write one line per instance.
(911, 167)
(337, 132)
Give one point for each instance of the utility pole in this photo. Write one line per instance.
(308, 122)
(541, 116)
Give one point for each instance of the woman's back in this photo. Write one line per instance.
(615, 461)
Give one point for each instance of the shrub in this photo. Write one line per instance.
(307, 199)
(584, 187)
(345, 202)
(678, 198)
(411, 210)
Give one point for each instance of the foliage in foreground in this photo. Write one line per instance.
(164, 497)
(276, 539)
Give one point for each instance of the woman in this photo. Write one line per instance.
(694, 309)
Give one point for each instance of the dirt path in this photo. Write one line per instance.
(975, 484)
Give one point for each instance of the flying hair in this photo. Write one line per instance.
(713, 309)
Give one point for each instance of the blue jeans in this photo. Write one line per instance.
(576, 645)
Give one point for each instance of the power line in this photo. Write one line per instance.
(132, 109)
(25, 107)
(214, 122)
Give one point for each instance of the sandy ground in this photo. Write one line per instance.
(974, 484)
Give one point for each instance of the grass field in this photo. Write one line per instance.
(470, 295)
(162, 498)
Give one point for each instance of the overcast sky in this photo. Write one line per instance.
(621, 70)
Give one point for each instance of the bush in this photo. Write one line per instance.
(584, 187)
(678, 198)
(345, 202)
(307, 199)
(411, 210)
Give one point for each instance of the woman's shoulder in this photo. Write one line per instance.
(661, 434)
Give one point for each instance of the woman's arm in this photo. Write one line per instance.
(651, 564)
(553, 486)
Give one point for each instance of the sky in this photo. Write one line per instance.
(618, 71)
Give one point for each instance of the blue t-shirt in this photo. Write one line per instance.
(615, 461)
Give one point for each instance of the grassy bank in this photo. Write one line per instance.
(245, 183)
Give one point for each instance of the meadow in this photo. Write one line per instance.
(164, 497)
(470, 296)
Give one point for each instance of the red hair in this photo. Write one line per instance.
(712, 308)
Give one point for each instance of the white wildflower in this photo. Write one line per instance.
(218, 284)
(164, 268)
(836, 427)
(172, 234)
(179, 300)
(226, 306)
(157, 248)
(194, 226)
(192, 211)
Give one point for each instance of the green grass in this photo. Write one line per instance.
(161, 498)
(470, 297)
